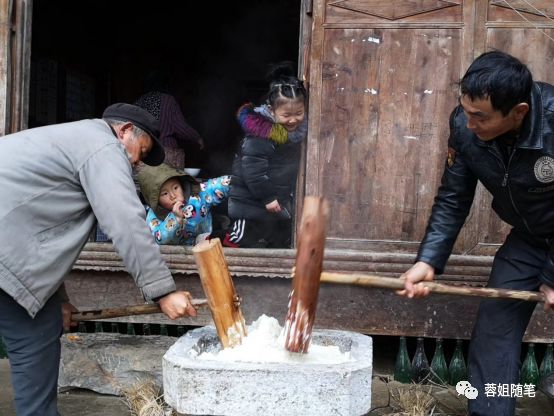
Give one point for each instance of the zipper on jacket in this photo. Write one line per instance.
(505, 185)
(505, 180)
(510, 193)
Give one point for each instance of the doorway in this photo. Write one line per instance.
(212, 56)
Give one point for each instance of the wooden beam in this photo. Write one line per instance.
(262, 278)
(361, 309)
(279, 262)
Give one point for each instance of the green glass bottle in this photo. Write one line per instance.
(146, 329)
(82, 327)
(402, 366)
(530, 369)
(181, 330)
(98, 327)
(163, 330)
(439, 370)
(3, 350)
(130, 328)
(114, 327)
(457, 370)
(420, 364)
(547, 365)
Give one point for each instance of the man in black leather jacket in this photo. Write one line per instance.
(501, 134)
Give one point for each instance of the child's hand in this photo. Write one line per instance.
(273, 206)
(177, 210)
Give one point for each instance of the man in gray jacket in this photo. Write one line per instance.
(55, 182)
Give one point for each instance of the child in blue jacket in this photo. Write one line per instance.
(182, 202)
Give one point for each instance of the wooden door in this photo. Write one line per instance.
(383, 82)
(15, 58)
(526, 30)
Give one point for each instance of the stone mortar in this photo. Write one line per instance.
(210, 387)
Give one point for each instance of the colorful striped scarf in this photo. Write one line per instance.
(259, 122)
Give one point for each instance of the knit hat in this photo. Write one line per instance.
(143, 120)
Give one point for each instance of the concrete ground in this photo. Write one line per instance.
(384, 392)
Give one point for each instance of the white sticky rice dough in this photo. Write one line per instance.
(265, 343)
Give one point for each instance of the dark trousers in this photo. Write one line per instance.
(258, 234)
(33, 347)
(495, 347)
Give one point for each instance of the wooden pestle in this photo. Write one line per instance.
(305, 283)
(220, 291)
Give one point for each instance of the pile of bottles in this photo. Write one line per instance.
(418, 369)
(531, 373)
(130, 328)
(3, 352)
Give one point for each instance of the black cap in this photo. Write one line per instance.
(143, 120)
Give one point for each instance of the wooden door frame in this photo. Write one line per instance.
(304, 65)
(15, 64)
(21, 54)
(6, 8)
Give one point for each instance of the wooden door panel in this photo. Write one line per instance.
(535, 47)
(515, 31)
(384, 127)
(378, 11)
(521, 10)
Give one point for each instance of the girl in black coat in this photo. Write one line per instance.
(266, 165)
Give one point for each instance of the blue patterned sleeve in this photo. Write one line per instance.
(191, 212)
(215, 190)
(166, 231)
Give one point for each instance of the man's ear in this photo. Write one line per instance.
(123, 128)
(520, 111)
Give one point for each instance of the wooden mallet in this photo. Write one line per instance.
(218, 286)
(307, 269)
(308, 274)
(219, 289)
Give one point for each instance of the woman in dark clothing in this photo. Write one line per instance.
(174, 129)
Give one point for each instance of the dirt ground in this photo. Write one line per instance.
(384, 391)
